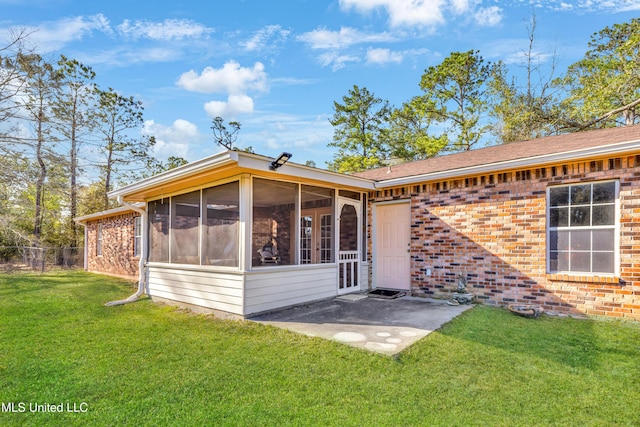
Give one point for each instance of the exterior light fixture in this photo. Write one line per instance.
(281, 160)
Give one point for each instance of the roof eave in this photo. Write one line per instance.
(581, 154)
(217, 160)
(243, 160)
(107, 213)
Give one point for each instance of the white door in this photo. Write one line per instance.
(316, 236)
(393, 246)
(348, 246)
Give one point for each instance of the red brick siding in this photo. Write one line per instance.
(492, 229)
(117, 246)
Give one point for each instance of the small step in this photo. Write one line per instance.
(385, 293)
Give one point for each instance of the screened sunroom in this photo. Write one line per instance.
(235, 234)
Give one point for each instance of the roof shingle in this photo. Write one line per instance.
(507, 152)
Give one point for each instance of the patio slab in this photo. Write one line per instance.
(385, 326)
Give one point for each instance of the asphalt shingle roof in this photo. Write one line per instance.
(507, 152)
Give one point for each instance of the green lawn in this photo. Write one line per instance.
(144, 364)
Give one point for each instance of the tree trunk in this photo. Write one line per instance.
(74, 186)
(107, 178)
(37, 226)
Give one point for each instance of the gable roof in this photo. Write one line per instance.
(573, 146)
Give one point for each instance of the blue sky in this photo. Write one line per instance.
(278, 66)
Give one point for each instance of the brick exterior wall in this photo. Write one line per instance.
(117, 246)
(492, 229)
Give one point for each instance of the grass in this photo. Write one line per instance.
(143, 364)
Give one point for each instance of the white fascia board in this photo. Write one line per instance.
(193, 168)
(109, 212)
(261, 163)
(244, 160)
(574, 155)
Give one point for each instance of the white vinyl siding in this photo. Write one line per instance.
(198, 286)
(269, 289)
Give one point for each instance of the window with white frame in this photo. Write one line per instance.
(137, 236)
(99, 240)
(316, 219)
(582, 228)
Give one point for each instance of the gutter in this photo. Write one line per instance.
(143, 282)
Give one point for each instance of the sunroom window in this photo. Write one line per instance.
(185, 219)
(159, 230)
(178, 235)
(220, 223)
(274, 225)
(582, 226)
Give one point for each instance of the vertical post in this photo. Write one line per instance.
(144, 231)
(246, 204)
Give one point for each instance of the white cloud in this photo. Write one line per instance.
(54, 35)
(231, 78)
(462, 6)
(266, 38)
(587, 6)
(383, 56)
(403, 12)
(521, 58)
(336, 60)
(629, 5)
(489, 16)
(322, 38)
(304, 136)
(234, 105)
(427, 13)
(335, 42)
(172, 140)
(169, 29)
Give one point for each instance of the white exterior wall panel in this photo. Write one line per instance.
(269, 289)
(215, 290)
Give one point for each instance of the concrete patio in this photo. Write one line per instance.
(385, 326)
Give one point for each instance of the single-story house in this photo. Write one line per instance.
(553, 222)
(113, 241)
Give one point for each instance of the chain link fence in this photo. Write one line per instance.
(41, 259)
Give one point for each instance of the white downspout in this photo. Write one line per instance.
(143, 285)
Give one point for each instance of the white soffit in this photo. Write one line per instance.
(243, 160)
(187, 170)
